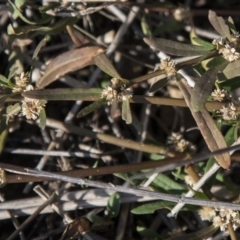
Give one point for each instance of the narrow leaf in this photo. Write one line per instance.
(77, 37)
(90, 108)
(12, 110)
(203, 88)
(17, 13)
(4, 81)
(3, 137)
(40, 45)
(114, 106)
(42, 118)
(198, 235)
(175, 48)
(158, 84)
(73, 94)
(211, 134)
(68, 62)
(149, 208)
(103, 62)
(219, 24)
(126, 112)
(113, 205)
(3, 120)
(231, 25)
(204, 43)
(232, 70)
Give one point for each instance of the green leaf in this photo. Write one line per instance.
(198, 235)
(73, 94)
(230, 84)
(204, 43)
(3, 120)
(20, 3)
(103, 62)
(3, 137)
(145, 26)
(113, 205)
(176, 48)
(13, 110)
(126, 112)
(90, 108)
(219, 24)
(148, 233)
(215, 62)
(232, 70)
(231, 25)
(158, 84)
(203, 88)
(230, 135)
(68, 62)
(4, 81)
(42, 118)
(169, 185)
(149, 208)
(40, 45)
(17, 13)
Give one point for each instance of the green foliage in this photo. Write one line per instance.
(113, 205)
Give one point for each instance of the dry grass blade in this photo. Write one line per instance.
(213, 137)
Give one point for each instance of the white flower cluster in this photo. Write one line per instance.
(230, 112)
(21, 82)
(30, 108)
(220, 217)
(227, 49)
(179, 144)
(220, 95)
(110, 93)
(169, 66)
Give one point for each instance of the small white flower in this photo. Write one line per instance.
(125, 94)
(219, 95)
(207, 213)
(169, 66)
(229, 53)
(179, 144)
(21, 82)
(109, 93)
(220, 217)
(31, 108)
(229, 113)
(189, 180)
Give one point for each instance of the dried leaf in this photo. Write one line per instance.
(219, 24)
(90, 108)
(211, 134)
(176, 48)
(72, 94)
(126, 112)
(68, 62)
(77, 37)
